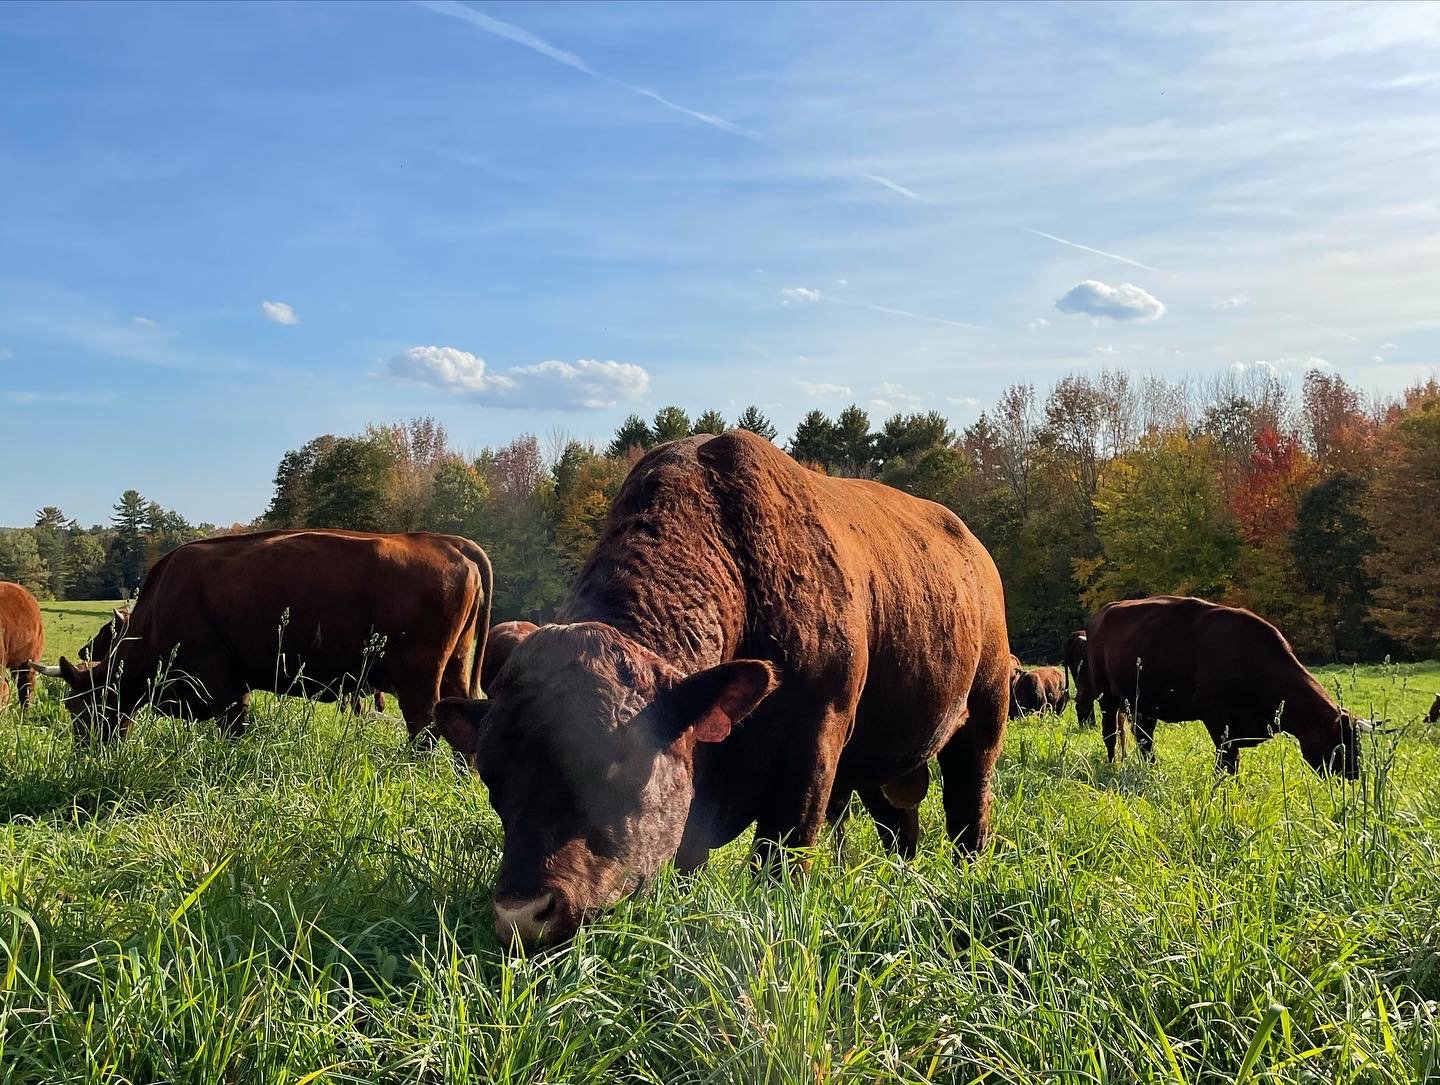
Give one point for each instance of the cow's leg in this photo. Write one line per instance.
(1110, 726)
(452, 680)
(25, 685)
(417, 706)
(1144, 731)
(967, 764)
(794, 816)
(899, 828)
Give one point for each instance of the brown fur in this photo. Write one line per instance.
(503, 640)
(1043, 689)
(218, 605)
(1178, 658)
(1075, 647)
(610, 743)
(22, 640)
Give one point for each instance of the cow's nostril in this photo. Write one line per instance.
(525, 917)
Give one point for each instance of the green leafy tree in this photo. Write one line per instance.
(1332, 543)
(670, 424)
(457, 499)
(633, 433)
(349, 486)
(20, 562)
(753, 419)
(711, 421)
(910, 436)
(1163, 524)
(854, 443)
(85, 565)
(49, 531)
(128, 550)
(290, 505)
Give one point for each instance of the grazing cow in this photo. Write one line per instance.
(22, 641)
(1075, 668)
(1043, 689)
(503, 639)
(861, 630)
(302, 612)
(1433, 716)
(100, 646)
(1177, 658)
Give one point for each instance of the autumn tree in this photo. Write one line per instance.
(1402, 505)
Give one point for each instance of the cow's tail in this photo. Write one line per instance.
(480, 614)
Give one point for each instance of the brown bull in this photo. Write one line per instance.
(312, 613)
(22, 641)
(1177, 658)
(1043, 689)
(861, 630)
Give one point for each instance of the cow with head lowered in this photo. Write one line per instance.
(318, 614)
(22, 640)
(1179, 658)
(749, 643)
(1040, 689)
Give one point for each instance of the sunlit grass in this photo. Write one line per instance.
(310, 902)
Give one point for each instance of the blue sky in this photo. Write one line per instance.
(531, 218)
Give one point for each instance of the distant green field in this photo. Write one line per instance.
(69, 624)
(310, 903)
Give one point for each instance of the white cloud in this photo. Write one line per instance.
(278, 312)
(799, 294)
(1124, 302)
(1235, 301)
(143, 322)
(1389, 348)
(909, 194)
(1038, 323)
(1108, 348)
(579, 385)
(820, 388)
(843, 282)
(963, 401)
(890, 396)
(1281, 365)
(1097, 252)
(6, 354)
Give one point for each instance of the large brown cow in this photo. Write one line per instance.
(861, 630)
(1042, 689)
(503, 640)
(22, 640)
(1075, 668)
(1178, 658)
(313, 613)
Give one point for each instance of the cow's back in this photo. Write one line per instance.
(272, 602)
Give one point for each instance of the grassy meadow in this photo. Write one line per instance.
(310, 903)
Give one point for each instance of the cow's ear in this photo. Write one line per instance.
(459, 720)
(710, 703)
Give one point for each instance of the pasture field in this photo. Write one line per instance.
(310, 904)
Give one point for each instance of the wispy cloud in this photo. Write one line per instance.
(909, 315)
(1235, 301)
(802, 294)
(1334, 331)
(537, 44)
(1097, 252)
(822, 389)
(6, 354)
(890, 396)
(143, 322)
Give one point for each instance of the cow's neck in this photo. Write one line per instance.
(678, 605)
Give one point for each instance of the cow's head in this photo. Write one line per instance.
(586, 747)
(102, 645)
(1335, 747)
(93, 698)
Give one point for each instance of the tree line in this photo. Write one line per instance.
(1315, 507)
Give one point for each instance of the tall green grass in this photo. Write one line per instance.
(310, 904)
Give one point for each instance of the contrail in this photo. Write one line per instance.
(910, 194)
(1097, 252)
(520, 36)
